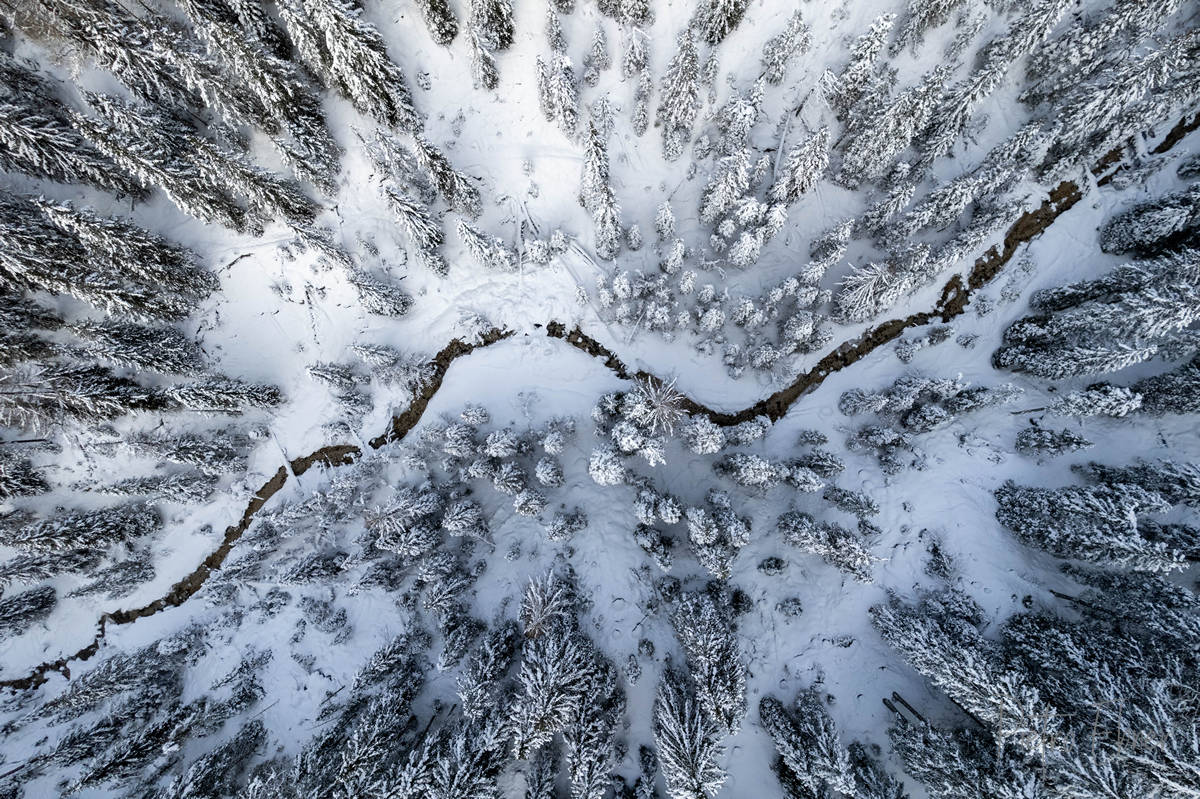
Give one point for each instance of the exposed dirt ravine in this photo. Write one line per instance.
(952, 302)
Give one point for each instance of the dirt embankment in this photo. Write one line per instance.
(952, 302)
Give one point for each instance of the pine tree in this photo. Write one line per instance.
(1177, 391)
(490, 252)
(215, 452)
(996, 58)
(483, 64)
(688, 740)
(869, 154)
(157, 349)
(853, 80)
(38, 138)
(554, 32)
(1091, 43)
(680, 96)
(1093, 523)
(158, 153)
(728, 184)
(707, 638)
(1151, 227)
(807, 743)
(558, 94)
(1174, 482)
(349, 55)
(41, 255)
(420, 227)
(939, 637)
(37, 398)
(154, 58)
(1037, 441)
(456, 188)
(118, 246)
(835, 544)
(802, 169)
(920, 17)
(222, 394)
(218, 772)
(18, 477)
(442, 24)
(85, 529)
(784, 46)
(716, 18)
(542, 774)
(289, 104)
(494, 21)
(1100, 399)
(21, 611)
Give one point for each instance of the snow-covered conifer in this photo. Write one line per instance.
(38, 138)
(1150, 227)
(702, 436)
(679, 96)
(847, 501)
(1093, 523)
(869, 154)
(565, 524)
(716, 18)
(1041, 441)
(347, 52)
(807, 742)
(849, 85)
(1176, 391)
(440, 19)
(39, 397)
(802, 169)
(491, 252)
(456, 188)
(85, 529)
(688, 740)
(835, 544)
(920, 16)
(557, 92)
(1101, 399)
(706, 635)
(728, 183)
(781, 48)
(21, 611)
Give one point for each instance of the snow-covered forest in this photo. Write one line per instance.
(481, 399)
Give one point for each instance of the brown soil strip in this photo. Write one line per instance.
(953, 302)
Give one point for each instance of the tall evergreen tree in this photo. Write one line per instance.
(784, 46)
(440, 19)
(38, 138)
(716, 18)
(333, 41)
(557, 93)
(680, 96)
(688, 740)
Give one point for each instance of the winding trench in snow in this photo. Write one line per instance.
(953, 301)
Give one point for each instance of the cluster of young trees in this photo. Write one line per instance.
(914, 405)
(770, 327)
